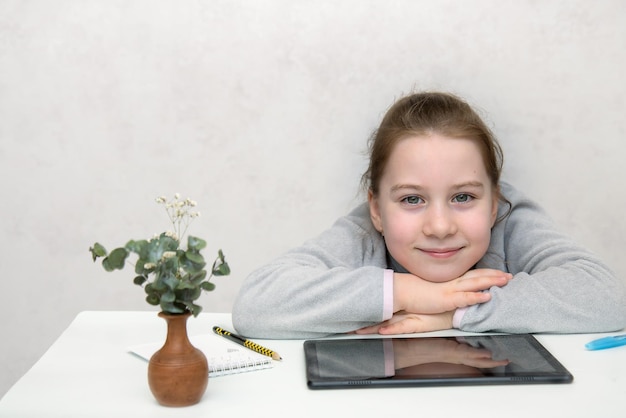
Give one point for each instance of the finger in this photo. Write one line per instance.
(476, 283)
(487, 363)
(368, 330)
(464, 299)
(405, 326)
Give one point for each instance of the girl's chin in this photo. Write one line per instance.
(439, 276)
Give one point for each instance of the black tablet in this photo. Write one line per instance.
(430, 361)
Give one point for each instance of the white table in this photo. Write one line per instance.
(88, 372)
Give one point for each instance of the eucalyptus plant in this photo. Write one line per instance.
(172, 277)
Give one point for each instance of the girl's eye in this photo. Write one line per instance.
(462, 198)
(412, 200)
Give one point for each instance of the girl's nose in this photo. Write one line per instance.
(439, 222)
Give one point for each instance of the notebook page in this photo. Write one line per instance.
(224, 357)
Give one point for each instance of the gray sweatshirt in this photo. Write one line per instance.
(334, 282)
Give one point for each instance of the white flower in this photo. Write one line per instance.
(169, 254)
(179, 213)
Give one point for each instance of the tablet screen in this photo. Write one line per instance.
(430, 361)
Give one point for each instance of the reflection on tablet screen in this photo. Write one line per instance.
(488, 359)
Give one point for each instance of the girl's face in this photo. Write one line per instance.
(436, 206)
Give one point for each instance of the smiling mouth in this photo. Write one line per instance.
(441, 253)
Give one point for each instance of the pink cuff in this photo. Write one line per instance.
(387, 294)
(390, 360)
(458, 317)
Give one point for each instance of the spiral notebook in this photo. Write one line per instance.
(224, 357)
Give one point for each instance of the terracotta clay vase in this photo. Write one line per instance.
(178, 373)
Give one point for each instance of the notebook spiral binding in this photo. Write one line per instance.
(220, 366)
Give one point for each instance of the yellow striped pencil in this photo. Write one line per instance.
(247, 343)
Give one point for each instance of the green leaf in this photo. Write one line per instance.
(195, 257)
(195, 243)
(152, 251)
(153, 299)
(171, 308)
(185, 284)
(152, 293)
(188, 295)
(97, 251)
(208, 286)
(139, 280)
(220, 266)
(191, 266)
(170, 281)
(195, 309)
(136, 246)
(222, 270)
(115, 260)
(158, 285)
(168, 296)
(139, 266)
(171, 263)
(197, 278)
(195, 293)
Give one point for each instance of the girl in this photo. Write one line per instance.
(441, 243)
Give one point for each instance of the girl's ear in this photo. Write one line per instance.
(494, 207)
(375, 212)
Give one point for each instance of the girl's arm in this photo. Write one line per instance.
(412, 294)
(330, 284)
(558, 286)
(338, 283)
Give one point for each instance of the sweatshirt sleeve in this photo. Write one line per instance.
(558, 286)
(333, 283)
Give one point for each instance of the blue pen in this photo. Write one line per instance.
(606, 342)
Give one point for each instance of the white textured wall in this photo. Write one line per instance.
(260, 111)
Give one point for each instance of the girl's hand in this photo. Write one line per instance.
(418, 354)
(413, 294)
(407, 323)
